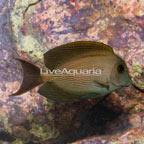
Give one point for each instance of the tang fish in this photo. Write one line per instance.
(90, 70)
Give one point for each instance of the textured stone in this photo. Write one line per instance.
(28, 28)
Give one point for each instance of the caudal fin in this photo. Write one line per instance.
(31, 77)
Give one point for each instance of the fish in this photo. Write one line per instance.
(88, 70)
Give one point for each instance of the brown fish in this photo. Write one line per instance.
(77, 70)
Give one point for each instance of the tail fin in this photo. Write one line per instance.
(31, 77)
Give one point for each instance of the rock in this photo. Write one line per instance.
(29, 28)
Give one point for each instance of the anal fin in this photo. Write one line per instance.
(53, 92)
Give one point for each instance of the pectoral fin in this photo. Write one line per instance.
(102, 85)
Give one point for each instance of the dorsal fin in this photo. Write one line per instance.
(59, 55)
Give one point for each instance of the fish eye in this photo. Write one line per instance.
(120, 68)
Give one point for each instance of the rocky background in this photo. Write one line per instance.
(28, 29)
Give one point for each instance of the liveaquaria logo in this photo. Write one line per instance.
(73, 72)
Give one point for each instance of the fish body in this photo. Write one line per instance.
(84, 57)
